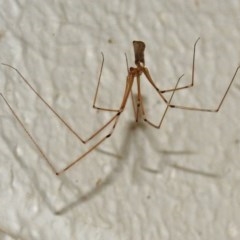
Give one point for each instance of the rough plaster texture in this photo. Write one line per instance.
(180, 182)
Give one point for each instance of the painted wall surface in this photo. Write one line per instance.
(180, 182)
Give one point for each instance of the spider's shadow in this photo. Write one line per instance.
(104, 183)
(123, 158)
(128, 141)
(166, 160)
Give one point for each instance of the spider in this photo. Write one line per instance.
(134, 74)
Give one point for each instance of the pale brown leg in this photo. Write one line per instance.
(192, 83)
(208, 109)
(115, 117)
(134, 107)
(132, 97)
(96, 93)
(148, 76)
(113, 120)
(166, 109)
(56, 114)
(193, 69)
(160, 92)
(28, 133)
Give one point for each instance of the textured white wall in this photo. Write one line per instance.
(180, 182)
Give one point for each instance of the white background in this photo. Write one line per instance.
(180, 182)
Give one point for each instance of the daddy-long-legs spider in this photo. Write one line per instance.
(134, 74)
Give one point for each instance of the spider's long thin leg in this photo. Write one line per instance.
(113, 120)
(115, 117)
(96, 93)
(55, 113)
(133, 104)
(166, 109)
(192, 83)
(149, 78)
(193, 71)
(139, 98)
(209, 109)
(127, 65)
(44, 101)
(132, 96)
(28, 133)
